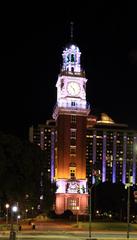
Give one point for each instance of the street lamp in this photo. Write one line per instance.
(90, 189)
(128, 211)
(77, 215)
(90, 211)
(128, 185)
(14, 209)
(26, 210)
(18, 218)
(97, 176)
(7, 213)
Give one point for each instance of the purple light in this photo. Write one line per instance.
(104, 160)
(94, 154)
(124, 162)
(134, 159)
(114, 161)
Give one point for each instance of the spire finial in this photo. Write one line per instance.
(71, 30)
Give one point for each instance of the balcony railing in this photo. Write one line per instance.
(81, 109)
(69, 107)
(72, 73)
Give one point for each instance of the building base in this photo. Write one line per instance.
(77, 203)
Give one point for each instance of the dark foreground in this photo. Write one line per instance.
(55, 230)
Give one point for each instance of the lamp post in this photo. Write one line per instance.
(7, 213)
(128, 185)
(77, 215)
(26, 210)
(128, 211)
(18, 218)
(97, 176)
(14, 209)
(90, 212)
(32, 208)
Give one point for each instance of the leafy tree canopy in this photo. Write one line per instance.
(21, 164)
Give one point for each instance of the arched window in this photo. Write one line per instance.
(72, 57)
(72, 69)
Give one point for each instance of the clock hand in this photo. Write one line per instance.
(73, 89)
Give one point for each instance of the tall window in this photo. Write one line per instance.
(72, 150)
(73, 133)
(72, 172)
(72, 203)
(73, 104)
(72, 57)
(73, 119)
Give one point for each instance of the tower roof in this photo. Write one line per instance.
(72, 46)
(71, 58)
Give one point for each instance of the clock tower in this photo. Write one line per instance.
(71, 113)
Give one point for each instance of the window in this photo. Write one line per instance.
(73, 118)
(73, 133)
(68, 58)
(72, 172)
(73, 104)
(72, 57)
(73, 149)
(72, 203)
(73, 141)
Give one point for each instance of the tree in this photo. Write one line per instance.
(111, 197)
(21, 164)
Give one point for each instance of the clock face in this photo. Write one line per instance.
(73, 88)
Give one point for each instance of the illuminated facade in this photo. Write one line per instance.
(110, 150)
(78, 145)
(70, 114)
(43, 135)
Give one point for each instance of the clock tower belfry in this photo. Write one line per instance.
(71, 113)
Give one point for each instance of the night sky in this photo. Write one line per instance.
(30, 58)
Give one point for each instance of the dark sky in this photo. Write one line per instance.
(30, 58)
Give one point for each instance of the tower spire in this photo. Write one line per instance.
(71, 31)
